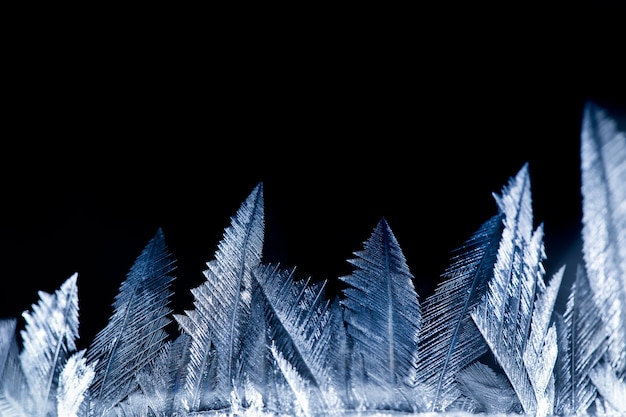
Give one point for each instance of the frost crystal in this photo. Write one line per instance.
(262, 342)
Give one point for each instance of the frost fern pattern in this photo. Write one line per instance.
(261, 341)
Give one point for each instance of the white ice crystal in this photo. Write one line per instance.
(261, 342)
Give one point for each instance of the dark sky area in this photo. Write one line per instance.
(107, 138)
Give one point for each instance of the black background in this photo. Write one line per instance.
(114, 127)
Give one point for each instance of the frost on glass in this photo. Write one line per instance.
(135, 334)
(382, 315)
(449, 340)
(48, 341)
(14, 393)
(221, 321)
(582, 343)
(485, 390)
(504, 313)
(603, 166)
(305, 326)
(74, 382)
(261, 341)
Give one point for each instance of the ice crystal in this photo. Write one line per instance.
(449, 339)
(261, 342)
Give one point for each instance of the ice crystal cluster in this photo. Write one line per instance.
(259, 342)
